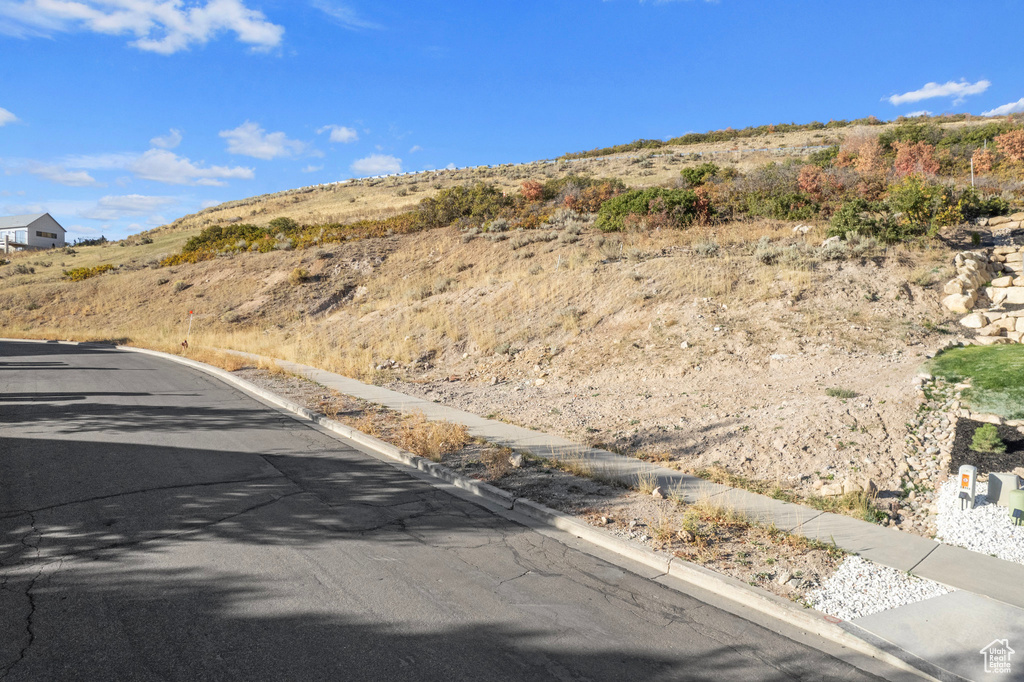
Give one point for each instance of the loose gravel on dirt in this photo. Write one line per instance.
(860, 588)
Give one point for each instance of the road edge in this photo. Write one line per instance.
(689, 573)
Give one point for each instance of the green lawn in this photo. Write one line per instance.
(996, 374)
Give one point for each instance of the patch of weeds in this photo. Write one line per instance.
(646, 482)
(431, 439)
(498, 462)
(842, 393)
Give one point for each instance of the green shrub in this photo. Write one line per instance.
(973, 205)
(871, 218)
(784, 206)
(918, 201)
(680, 207)
(298, 276)
(479, 202)
(911, 131)
(283, 224)
(825, 157)
(700, 174)
(986, 439)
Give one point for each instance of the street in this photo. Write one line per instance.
(159, 524)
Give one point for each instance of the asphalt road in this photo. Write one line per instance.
(158, 524)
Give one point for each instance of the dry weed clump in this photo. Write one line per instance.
(431, 439)
(646, 482)
(498, 462)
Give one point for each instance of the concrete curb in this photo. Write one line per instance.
(692, 574)
(478, 488)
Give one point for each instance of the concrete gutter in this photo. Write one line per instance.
(689, 573)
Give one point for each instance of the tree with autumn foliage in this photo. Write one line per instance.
(532, 190)
(915, 157)
(863, 152)
(983, 160)
(1011, 144)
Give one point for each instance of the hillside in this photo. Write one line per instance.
(678, 338)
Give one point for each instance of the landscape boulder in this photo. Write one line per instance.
(959, 303)
(974, 321)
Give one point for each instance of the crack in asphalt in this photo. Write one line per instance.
(164, 536)
(180, 486)
(517, 577)
(30, 634)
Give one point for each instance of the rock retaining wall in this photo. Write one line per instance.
(992, 279)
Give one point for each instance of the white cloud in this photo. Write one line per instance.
(161, 26)
(312, 169)
(339, 133)
(168, 141)
(54, 172)
(6, 117)
(345, 15)
(111, 161)
(210, 203)
(81, 229)
(377, 164)
(415, 148)
(166, 166)
(958, 90)
(62, 176)
(1011, 108)
(451, 166)
(249, 139)
(915, 114)
(116, 207)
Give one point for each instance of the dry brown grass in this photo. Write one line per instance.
(431, 439)
(646, 482)
(227, 361)
(497, 461)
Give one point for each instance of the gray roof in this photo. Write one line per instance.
(7, 222)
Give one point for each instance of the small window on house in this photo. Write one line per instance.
(46, 235)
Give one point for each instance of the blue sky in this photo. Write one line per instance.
(119, 115)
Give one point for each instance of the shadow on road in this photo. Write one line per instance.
(128, 418)
(187, 625)
(276, 552)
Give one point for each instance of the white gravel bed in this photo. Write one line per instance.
(987, 528)
(860, 587)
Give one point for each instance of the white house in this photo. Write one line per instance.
(35, 231)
